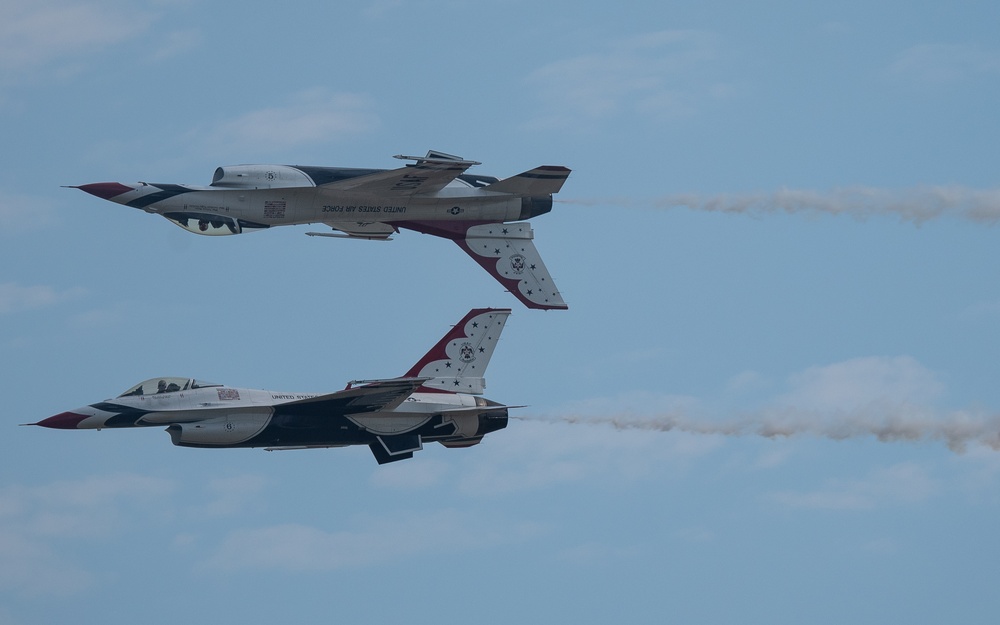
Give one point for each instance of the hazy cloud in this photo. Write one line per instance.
(398, 475)
(377, 9)
(232, 495)
(33, 568)
(983, 309)
(902, 483)
(695, 535)
(176, 43)
(939, 63)
(33, 518)
(35, 33)
(20, 213)
(98, 317)
(657, 74)
(313, 116)
(860, 382)
(295, 547)
(77, 507)
(16, 298)
(771, 458)
(982, 470)
(590, 554)
(746, 381)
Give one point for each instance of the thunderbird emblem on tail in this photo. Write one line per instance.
(437, 400)
(483, 215)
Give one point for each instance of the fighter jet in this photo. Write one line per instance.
(433, 195)
(437, 400)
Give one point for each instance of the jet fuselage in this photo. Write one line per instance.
(485, 216)
(437, 400)
(204, 210)
(222, 416)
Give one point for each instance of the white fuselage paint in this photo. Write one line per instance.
(257, 406)
(304, 205)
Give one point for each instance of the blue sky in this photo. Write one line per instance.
(773, 398)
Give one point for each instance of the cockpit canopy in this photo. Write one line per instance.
(158, 386)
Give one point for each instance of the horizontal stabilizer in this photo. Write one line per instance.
(544, 180)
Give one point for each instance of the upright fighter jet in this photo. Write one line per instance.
(433, 195)
(437, 400)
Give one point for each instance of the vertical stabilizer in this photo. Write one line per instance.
(458, 362)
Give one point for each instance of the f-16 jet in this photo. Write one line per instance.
(434, 195)
(437, 400)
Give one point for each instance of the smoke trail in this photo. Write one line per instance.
(915, 205)
(955, 429)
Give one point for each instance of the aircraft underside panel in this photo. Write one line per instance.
(390, 437)
(344, 430)
(389, 424)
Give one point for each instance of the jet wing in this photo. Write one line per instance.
(381, 395)
(427, 176)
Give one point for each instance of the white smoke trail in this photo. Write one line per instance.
(956, 429)
(915, 205)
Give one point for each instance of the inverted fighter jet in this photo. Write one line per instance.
(437, 400)
(434, 195)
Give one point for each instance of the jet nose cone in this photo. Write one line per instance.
(105, 190)
(63, 421)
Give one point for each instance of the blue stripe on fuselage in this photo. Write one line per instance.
(166, 191)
